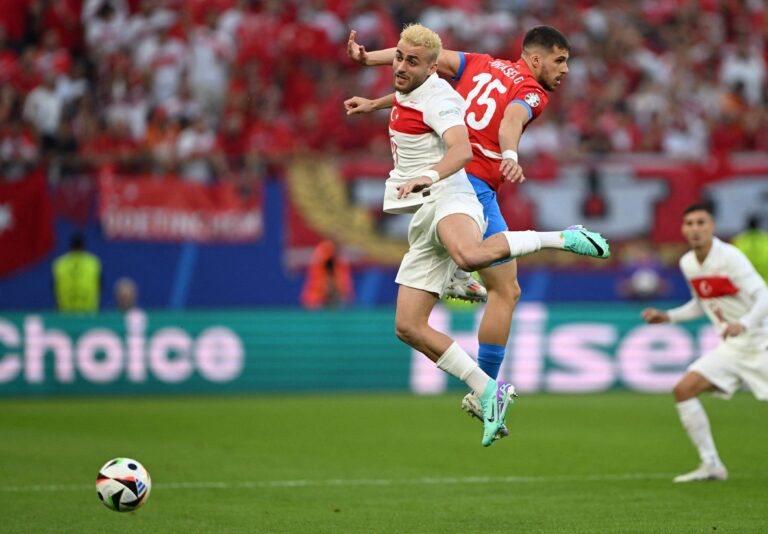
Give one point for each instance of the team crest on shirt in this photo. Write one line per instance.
(532, 99)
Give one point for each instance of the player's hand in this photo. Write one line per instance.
(413, 186)
(654, 316)
(358, 104)
(732, 330)
(511, 171)
(355, 51)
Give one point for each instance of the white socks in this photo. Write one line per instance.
(552, 239)
(522, 243)
(458, 363)
(696, 424)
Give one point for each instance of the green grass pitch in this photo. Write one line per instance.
(380, 463)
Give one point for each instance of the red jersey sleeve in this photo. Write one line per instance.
(470, 62)
(532, 97)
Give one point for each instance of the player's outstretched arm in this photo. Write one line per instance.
(510, 131)
(457, 155)
(358, 104)
(448, 63)
(361, 56)
(654, 316)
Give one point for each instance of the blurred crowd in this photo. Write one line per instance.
(214, 89)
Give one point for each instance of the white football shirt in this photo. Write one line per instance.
(417, 122)
(724, 285)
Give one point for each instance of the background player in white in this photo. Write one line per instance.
(430, 146)
(725, 287)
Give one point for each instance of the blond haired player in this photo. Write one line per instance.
(725, 287)
(503, 98)
(430, 147)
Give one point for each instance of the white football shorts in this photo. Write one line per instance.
(427, 265)
(729, 367)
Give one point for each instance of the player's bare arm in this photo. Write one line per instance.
(654, 316)
(457, 155)
(359, 104)
(448, 62)
(510, 131)
(361, 56)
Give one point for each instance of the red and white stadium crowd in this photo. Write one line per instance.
(208, 89)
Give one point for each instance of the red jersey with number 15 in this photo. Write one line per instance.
(488, 86)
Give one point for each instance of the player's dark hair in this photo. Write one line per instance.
(700, 206)
(545, 37)
(76, 242)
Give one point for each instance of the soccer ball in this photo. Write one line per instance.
(123, 484)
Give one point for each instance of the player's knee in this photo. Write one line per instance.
(467, 260)
(406, 331)
(512, 292)
(507, 291)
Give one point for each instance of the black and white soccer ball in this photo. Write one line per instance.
(123, 485)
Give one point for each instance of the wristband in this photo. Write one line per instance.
(509, 154)
(432, 174)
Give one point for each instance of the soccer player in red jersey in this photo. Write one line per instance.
(502, 98)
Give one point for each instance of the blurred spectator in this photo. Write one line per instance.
(160, 142)
(105, 29)
(73, 85)
(199, 155)
(63, 18)
(62, 156)
(126, 294)
(328, 283)
(182, 107)
(77, 279)
(43, 109)
(163, 57)
(210, 55)
(744, 64)
(18, 152)
(753, 242)
(51, 57)
(130, 105)
(151, 18)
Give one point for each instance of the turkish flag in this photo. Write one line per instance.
(712, 287)
(26, 222)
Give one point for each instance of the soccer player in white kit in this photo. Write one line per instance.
(726, 287)
(430, 147)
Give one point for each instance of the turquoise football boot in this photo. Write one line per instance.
(495, 401)
(581, 241)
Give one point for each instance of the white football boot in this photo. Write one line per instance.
(704, 472)
(471, 404)
(462, 286)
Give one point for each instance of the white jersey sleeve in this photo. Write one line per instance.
(743, 273)
(444, 111)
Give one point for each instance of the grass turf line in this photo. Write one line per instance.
(574, 463)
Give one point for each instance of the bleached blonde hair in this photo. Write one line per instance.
(418, 35)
